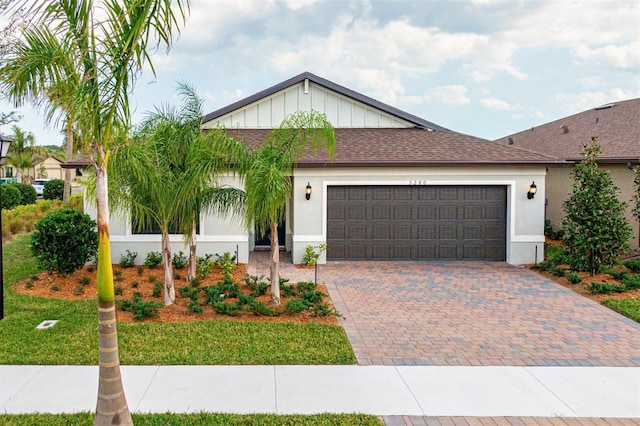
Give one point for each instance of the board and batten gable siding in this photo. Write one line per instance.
(342, 111)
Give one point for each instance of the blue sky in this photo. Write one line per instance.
(487, 68)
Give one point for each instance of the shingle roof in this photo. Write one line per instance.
(419, 122)
(406, 147)
(617, 126)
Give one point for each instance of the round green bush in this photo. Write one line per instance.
(53, 189)
(64, 240)
(11, 196)
(27, 193)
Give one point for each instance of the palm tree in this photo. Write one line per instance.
(170, 176)
(110, 41)
(32, 75)
(267, 177)
(22, 149)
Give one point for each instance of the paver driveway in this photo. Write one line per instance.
(473, 313)
(467, 313)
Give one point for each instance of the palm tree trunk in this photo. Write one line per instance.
(275, 265)
(193, 259)
(169, 290)
(67, 172)
(111, 407)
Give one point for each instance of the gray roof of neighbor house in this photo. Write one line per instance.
(391, 147)
(617, 126)
(419, 122)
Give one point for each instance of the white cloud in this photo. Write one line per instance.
(624, 57)
(577, 102)
(233, 95)
(453, 94)
(298, 4)
(495, 103)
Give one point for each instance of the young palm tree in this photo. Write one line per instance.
(110, 41)
(170, 176)
(268, 177)
(21, 151)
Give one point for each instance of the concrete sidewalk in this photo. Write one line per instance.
(593, 392)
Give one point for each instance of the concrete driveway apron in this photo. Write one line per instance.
(473, 313)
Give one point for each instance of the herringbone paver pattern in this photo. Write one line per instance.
(468, 313)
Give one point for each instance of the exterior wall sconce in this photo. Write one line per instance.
(532, 191)
(307, 191)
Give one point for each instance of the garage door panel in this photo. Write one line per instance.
(402, 193)
(447, 252)
(427, 212)
(416, 222)
(357, 193)
(494, 213)
(473, 212)
(381, 213)
(336, 251)
(426, 232)
(447, 212)
(357, 232)
(357, 213)
(381, 232)
(448, 232)
(357, 251)
(381, 251)
(403, 251)
(336, 232)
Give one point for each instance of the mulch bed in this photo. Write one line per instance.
(53, 285)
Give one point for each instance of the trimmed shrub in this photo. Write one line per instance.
(574, 278)
(64, 240)
(179, 260)
(11, 196)
(153, 259)
(53, 189)
(27, 193)
(128, 259)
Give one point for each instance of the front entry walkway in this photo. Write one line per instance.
(468, 313)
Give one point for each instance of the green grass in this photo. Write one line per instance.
(627, 307)
(199, 419)
(74, 340)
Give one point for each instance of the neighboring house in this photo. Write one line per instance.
(399, 187)
(617, 126)
(49, 167)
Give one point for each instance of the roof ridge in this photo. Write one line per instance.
(352, 94)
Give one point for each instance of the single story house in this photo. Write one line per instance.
(617, 126)
(398, 187)
(49, 167)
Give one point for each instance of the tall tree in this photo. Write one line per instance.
(595, 229)
(110, 41)
(21, 151)
(268, 177)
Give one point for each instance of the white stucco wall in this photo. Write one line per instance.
(525, 218)
(217, 235)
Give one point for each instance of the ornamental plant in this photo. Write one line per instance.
(11, 196)
(27, 193)
(64, 240)
(53, 189)
(595, 229)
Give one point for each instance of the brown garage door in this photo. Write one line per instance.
(416, 222)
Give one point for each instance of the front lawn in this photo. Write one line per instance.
(627, 307)
(74, 340)
(82, 419)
